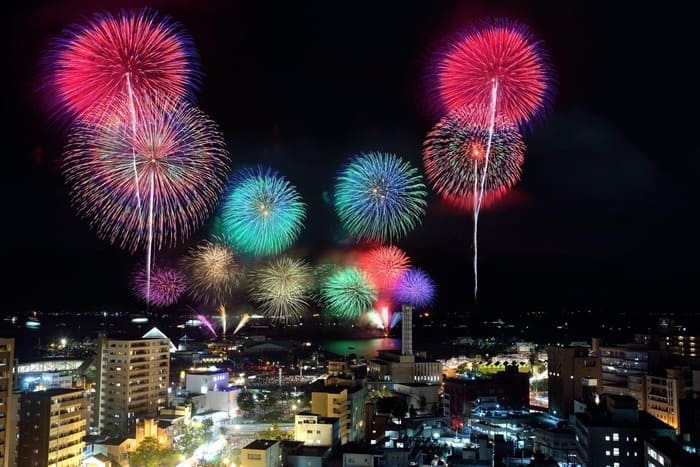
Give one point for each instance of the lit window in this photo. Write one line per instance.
(616, 451)
(616, 436)
(607, 438)
(607, 453)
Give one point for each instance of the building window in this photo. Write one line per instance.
(607, 438)
(616, 451)
(254, 457)
(607, 453)
(616, 436)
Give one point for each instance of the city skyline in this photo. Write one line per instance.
(598, 219)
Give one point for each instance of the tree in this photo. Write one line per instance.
(190, 440)
(246, 402)
(152, 453)
(274, 432)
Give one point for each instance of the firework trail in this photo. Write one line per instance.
(206, 322)
(396, 317)
(182, 164)
(379, 197)
(499, 68)
(244, 319)
(222, 313)
(166, 286)
(281, 289)
(348, 293)
(459, 148)
(213, 272)
(262, 212)
(415, 288)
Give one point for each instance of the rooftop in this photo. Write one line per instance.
(261, 444)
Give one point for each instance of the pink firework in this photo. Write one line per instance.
(167, 285)
(129, 57)
(384, 266)
(499, 54)
(182, 164)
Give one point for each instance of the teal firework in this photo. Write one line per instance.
(379, 197)
(348, 293)
(262, 212)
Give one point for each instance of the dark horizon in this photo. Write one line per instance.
(600, 218)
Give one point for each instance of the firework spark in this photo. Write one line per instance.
(262, 212)
(133, 57)
(281, 289)
(384, 265)
(415, 288)
(454, 156)
(379, 197)
(501, 53)
(167, 285)
(182, 164)
(348, 293)
(213, 272)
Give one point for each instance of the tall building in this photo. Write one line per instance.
(613, 433)
(7, 422)
(682, 345)
(345, 403)
(52, 428)
(131, 381)
(404, 367)
(624, 369)
(665, 393)
(573, 374)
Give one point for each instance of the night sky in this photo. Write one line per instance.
(604, 215)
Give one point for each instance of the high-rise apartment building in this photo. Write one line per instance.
(131, 381)
(52, 428)
(7, 422)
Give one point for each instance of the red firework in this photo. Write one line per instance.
(501, 52)
(129, 58)
(454, 155)
(384, 266)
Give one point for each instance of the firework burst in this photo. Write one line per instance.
(500, 53)
(379, 197)
(167, 285)
(130, 57)
(262, 212)
(415, 288)
(213, 271)
(454, 155)
(280, 288)
(348, 293)
(384, 265)
(181, 162)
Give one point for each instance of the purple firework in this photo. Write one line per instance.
(415, 288)
(167, 285)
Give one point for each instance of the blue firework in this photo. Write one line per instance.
(379, 197)
(415, 288)
(262, 212)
